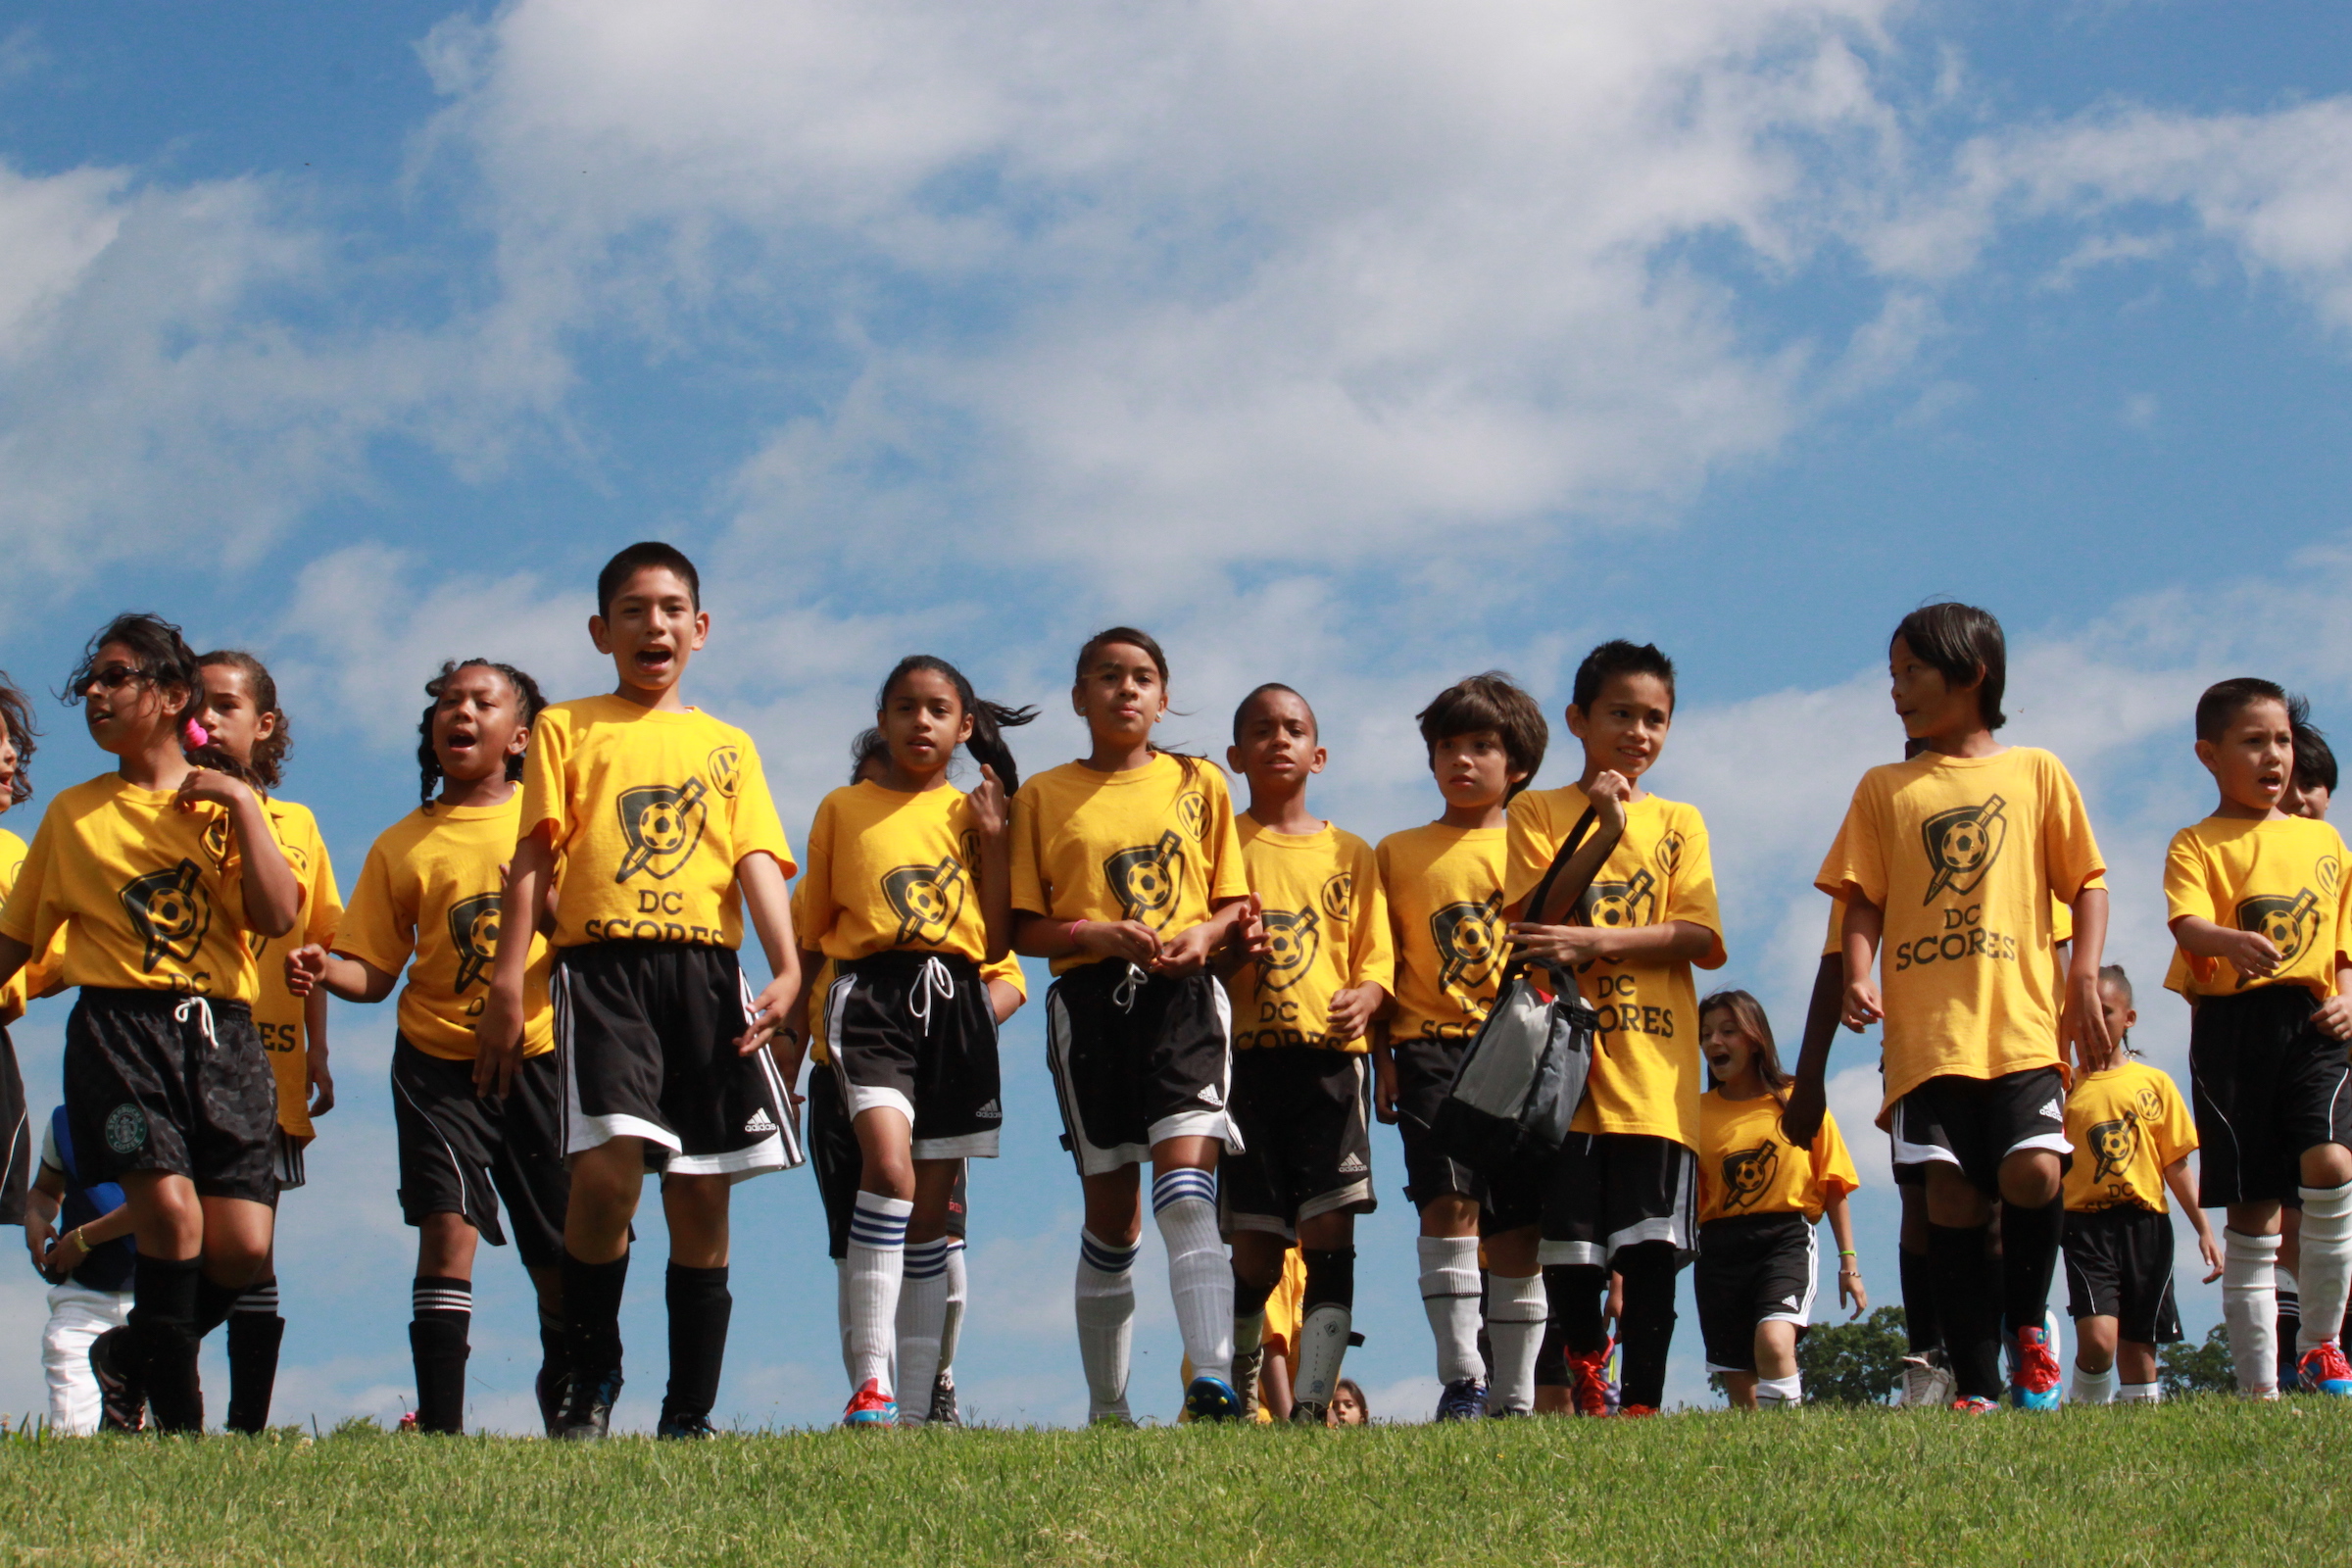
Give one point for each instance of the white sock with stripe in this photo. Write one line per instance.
(2326, 1274)
(1106, 1321)
(922, 1325)
(1184, 1204)
(2250, 1306)
(2092, 1387)
(1774, 1394)
(877, 1263)
(1449, 1296)
(1516, 1309)
(2142, 1393)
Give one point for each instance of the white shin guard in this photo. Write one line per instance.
(1449, 1295)
(1106, 1322)
(2250, 1306)
(958, 1293)
(1322, 1345)
(1516, 1309)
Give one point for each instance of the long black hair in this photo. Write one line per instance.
(163, 657)
(268, 759)
(16, 715)
(1132, 638)
(989, 719)
(527, 696)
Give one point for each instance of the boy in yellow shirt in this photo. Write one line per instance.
(1953, 857)
(1302, 1084)
(1443, 882)
(653, 824)
(1623, 1194)
(2258, 904)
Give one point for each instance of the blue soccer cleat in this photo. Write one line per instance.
(2035, 1376)
(1464, 1399)
(1211, 1398)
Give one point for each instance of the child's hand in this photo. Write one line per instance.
(322, 1085)
(768, 1013)
(1131, 940)
(2335, 1017)
(1609, 792)
(2085, 1025)
(1561, 945)
(305, 966)
(1801, 1118)
(2210, 1250)
(206, 787)
(991, 814)
(1849, 1288)
(2251, 954)
(1187, 952)
(1352, 1012)
(1383, 1088)
(1862, 1007)
(498, 1044)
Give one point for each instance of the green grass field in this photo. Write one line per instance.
(2210, 1481)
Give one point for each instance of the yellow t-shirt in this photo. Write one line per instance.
(143, 896)
(1646, 1076)
(1966, 968)
(1327, 930)
(429, 893)
(1445, 891)
(1154, 844)
(1007, 969)
(650, 813)
(2126, 1124)
(1746, 1166)
(278, 1013)
(889, 870)
(39, 976)
(2285, 880)
(2062, 922)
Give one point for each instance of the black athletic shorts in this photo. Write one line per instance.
(17, 1180)
(2119, 1265)
(2265, 1086)
(286, 1161)
(834, 1155)
(1425, 1073)
(1137, 1058)
(1752, 1270)
(915, 1031)
(156, 1081)
(645, 1043)
(460, 1153)
(1609, 1191)
(1975, 1123)
(1306, 1115)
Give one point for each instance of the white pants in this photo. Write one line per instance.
(77, 1315)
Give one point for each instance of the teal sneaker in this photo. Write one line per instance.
(1211, 1398)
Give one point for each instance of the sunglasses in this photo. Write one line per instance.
(114, 677)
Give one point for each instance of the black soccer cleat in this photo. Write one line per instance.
(549, 1387)
(685, 1426)
(121, 1397)
(943, 1401)
(587, 1412)
(1310, 1413)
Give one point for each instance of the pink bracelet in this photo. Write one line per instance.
(1073, 931)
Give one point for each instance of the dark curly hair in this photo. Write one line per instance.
(16, 715)
(268, 759)
(163, 659)
(428, 762)
(989, 719)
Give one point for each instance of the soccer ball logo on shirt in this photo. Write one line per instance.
(1292, 937)
(169, 913)
(473, 931)
(2290, 924)
(927, 899)
(1144, 878)
(2115, 1144)
(1748, 1172)
(1469, 940)
(1615, 906)
(662, 824)
(1962, 844)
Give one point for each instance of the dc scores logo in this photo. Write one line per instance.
(2115, 1144)
(1469, 941)
(1748, 1172)
(927, 899)
(1292, 937)
(662, 824)
(473, 932)
(1962, 844)
(169, 913)
(1145, 879)
(2291, 924)
(1615, 906)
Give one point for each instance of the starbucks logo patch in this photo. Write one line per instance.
(126, 1128)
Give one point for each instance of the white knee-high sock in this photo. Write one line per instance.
(1516, 1311)
(1449, 1296)
(1184, 1202)
(1773, 1393)
(877, 1260)
(2326, 1276)
(2092, 1387)
(2142, 1393)
(958, 1293)
(1106, 1321)
(922, 1321)
(2250, 1306)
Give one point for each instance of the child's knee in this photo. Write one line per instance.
(2327, 1165)
(2029, 1178)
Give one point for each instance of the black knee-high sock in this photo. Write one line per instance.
(1968, 1297)
(1923, 1325)
(254, 1333)
(2030, 1242)
(1330, 1280)
(592, 1315)
(214, 1303)
(437, 1339)
(554, 1361)
(1577, 1292)
(699, 1308)
(1251, 1299)
(162, 1325)
(1647, 1327)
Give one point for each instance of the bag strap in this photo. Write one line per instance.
(1568, 847)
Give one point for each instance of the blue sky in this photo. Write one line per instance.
(1357, 347)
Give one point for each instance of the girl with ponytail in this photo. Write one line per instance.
(906, 890)
(157, 875)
